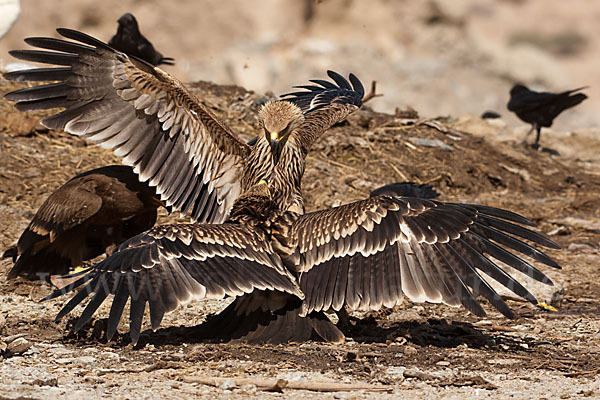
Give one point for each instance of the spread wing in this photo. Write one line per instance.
(369, 253)
(325, 104)
(171, 265)
(142, 114)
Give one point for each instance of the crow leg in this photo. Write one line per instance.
(528, 133)
(538, 130)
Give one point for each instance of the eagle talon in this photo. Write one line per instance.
(543, 305)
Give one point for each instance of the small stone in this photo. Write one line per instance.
(415, 373)
(228, 384)
(17, 347)
(60, 351)
(501, 361)
(248, 389)
(45, 382)
(429, 143)
(410, 351)
(30, 172)
(109, 356)
(350, 356)
(85, 360)
(358, 141)
(442, 363)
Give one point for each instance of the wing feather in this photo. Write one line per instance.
(325, 104)
(170, 265)
(382, 248)
(142, 114)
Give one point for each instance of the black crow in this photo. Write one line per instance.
(540, 108)
(130, 41)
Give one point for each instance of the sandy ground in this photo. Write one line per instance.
(414, 350)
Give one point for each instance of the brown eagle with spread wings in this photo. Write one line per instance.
(251, 239)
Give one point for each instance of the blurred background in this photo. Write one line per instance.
(441, 57)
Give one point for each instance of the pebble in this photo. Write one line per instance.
(396, 372)
(429, 143)
(410, 351)
(60, 351)
(17, 347)
(228, 384)
(109, 356)
(85, 360)
(501, 361)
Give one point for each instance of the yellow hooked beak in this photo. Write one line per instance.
(274, 136)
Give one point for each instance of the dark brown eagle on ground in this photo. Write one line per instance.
(84, 218)
(285, 267)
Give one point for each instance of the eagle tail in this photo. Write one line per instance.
(245, 321)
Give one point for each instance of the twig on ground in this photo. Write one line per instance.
(580, 373)
(274, 384)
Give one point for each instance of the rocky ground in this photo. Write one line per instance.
(414, 350)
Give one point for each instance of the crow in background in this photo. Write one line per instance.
(130, 41)
(540, 108)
